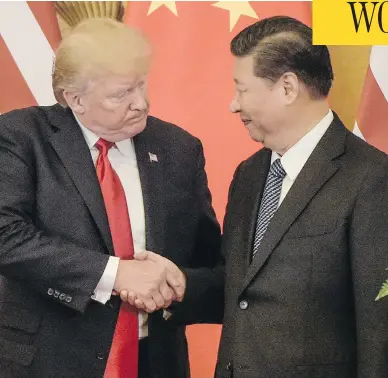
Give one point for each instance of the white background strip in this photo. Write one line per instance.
(29, 48)
(379, 65)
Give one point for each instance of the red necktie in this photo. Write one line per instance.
(123, 356)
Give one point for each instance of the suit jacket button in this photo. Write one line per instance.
(68, 299)
(229, 366)
(62, 296)
(50, 291)
(100, 355)
(56, 293)
(243, 305)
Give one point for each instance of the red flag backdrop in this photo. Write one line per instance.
(191, 84)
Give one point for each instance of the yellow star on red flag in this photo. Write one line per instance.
(236, 10)
(157, 4)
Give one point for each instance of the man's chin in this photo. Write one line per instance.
(257, 137)
(127, 132)
(135, 129)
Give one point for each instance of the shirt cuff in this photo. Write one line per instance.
(104, 288)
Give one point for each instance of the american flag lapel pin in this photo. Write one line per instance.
(153, 157)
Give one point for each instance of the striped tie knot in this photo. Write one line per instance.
(277, 169)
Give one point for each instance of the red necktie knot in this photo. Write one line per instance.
(103, 146)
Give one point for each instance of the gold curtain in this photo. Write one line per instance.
(350, 64)
(70, 13)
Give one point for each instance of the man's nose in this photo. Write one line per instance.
(234, 106)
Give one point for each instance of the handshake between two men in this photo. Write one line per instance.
(149, 282)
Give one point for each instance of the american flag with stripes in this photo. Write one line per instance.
(372, 119)
(29, 35)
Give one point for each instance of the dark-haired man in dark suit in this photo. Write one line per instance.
(305, 233)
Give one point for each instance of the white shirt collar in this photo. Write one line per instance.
(126, 146)
(295, 158)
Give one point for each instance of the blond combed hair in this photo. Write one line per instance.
(96, 47)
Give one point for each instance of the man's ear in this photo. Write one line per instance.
(291, 86)
(74, 101)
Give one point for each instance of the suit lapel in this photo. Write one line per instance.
(71, 147)
(151, 169)
(319, 168)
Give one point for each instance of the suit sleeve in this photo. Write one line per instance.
(204, 299)
(369, 260)
(48, 264)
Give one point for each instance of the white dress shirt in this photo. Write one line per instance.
(295, 158)
(122, 157)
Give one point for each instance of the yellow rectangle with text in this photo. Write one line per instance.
(341, 22)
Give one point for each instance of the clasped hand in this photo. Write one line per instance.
(149, 282)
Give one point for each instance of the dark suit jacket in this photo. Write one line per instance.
(305, 306)
(55, 243)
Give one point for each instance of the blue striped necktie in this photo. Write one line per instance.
(269, 202)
